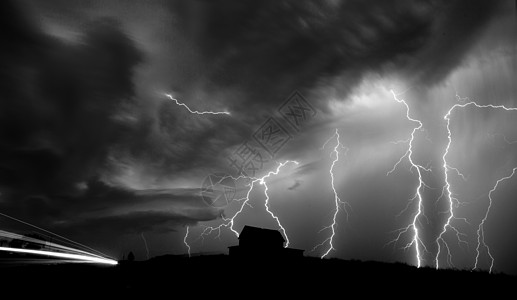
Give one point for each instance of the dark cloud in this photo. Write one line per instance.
(111, 210)
(131, 223)
(270, 48)
(257, 53)
(251, 55)
(68, 117)
(59, 109)
(182, 143)
(458, 25)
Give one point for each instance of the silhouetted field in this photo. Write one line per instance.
(220, 275)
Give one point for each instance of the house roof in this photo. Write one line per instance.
(250, 232)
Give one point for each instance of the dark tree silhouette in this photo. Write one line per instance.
(131, 256)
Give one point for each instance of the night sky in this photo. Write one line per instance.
(91, 148)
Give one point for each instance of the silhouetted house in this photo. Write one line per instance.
(257, 242)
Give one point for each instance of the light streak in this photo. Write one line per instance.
(45, 243)
(78, 257)
(62, 237)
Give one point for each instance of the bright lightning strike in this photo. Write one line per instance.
(229, 222)
(416, 240)
(266, 202)
(453, 202)
(337, 201)
(186, 243)
(481, 228)
(195, 111)
(145, 243)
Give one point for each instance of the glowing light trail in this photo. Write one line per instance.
(78, 257)
(45, 243)
(54, 234)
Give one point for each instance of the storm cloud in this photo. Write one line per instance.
(88, 141)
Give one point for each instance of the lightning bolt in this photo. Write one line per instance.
(481, 229)
(337, 201)
(262, 181)
(416, 240)
(453, 202)
(195, 111)
(145, 243)
(186, 243)
(230, 222)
